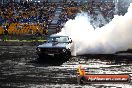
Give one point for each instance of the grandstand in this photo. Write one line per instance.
(20, 17)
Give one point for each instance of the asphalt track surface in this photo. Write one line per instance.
(19, 68)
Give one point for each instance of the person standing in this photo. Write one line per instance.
(5, 35)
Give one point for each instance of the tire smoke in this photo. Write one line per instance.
(113, 37)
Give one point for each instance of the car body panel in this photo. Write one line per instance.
(56, 45)
(53, 45)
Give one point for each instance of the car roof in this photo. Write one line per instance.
(59, 36)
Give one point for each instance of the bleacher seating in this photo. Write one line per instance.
(35, 17)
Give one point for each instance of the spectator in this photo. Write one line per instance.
(5, 36)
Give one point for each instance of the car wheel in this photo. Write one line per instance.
(68, 54)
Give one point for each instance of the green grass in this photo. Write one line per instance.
(16, 40)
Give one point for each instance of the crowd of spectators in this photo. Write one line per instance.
(123, 6)
(41, 14)
(92, 8)
(69, 11)
(106, 9)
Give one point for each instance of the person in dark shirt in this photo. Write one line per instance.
(5, 35)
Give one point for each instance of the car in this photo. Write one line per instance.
(56, 46)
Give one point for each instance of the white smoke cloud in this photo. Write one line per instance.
(113, 37)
